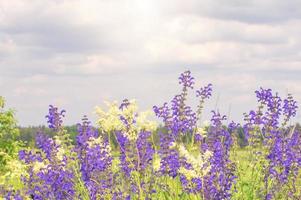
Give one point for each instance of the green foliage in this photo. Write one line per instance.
(250, 173)
(8, 134)
(28, 134)
(10, 167)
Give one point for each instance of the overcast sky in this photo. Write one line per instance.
(76, 54)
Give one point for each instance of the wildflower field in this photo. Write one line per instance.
(125, 155)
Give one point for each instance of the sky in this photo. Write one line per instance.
(76, 54)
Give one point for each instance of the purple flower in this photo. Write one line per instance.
(51, 181)
(95, 160)
(54, 118)
(163, 112)
(13, 195)
(186, 80)
(233, 126)
(183, 118)
(262, 127)
(30, 156)
(289, 107)
(170, 163)
(180, 119)
(217, 118)
(125, 103)
(204, 92)
(193, 186)
(283, 160)
(86, 131)
(126, 158)
(47, 145)
(218, 183)
(145, 150)
(263, 95)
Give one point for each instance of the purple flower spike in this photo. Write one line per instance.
(55, 117)
(264, 95)
(186, 80)
(205, 92)
(125, 103)
(289, 107)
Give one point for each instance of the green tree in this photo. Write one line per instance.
(10, 167)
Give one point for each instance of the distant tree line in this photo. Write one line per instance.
(28, 134)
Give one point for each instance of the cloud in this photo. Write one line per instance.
(79, 53)
(20, 91)
(254, 11)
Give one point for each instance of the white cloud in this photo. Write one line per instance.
(77, 53)
(22, 90)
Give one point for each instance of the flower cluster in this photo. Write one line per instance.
(127, 156)
(211, 173)
(95, 158)
(169, 156)
(193, 174)
(219, 181)
(124, 118)
(48, 177)
(179, 118)
(263, 128)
